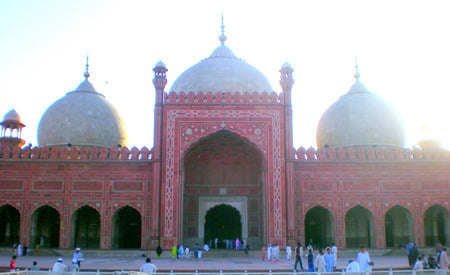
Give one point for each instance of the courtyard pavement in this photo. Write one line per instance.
(250, 263)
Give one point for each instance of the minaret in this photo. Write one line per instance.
(11, 123)
(159, 81)
(286, 82)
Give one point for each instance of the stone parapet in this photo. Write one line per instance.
(222, 98)
(370, 153)
(75, 153)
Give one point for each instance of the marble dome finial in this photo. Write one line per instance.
(222, 37)
(86, 73)
(357, 75)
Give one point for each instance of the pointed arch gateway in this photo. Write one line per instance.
(45, 224)
(223, 169)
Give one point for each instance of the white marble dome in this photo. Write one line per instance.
(360, 118)
(222, 71)
(82, 118)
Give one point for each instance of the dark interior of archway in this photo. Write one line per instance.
(87, 228)
(358, 225)
(127, 228)
(9, 225)
(318, 227)
(398, 227)
(223, 222)
(47, 227)
(223, 164)
(435, 223)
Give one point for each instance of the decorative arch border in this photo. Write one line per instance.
(53, 204)
(121, 206)
(222, 118)
(15, 207)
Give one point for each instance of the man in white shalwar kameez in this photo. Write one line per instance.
(364, 260)
(269, 252)
(320, 263)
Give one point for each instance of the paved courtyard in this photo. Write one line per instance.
(205, 264)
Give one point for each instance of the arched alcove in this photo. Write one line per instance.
(359, 228)
(9, 225)
(319, 226)
(86, 228)
(398, 226)
(436, 226)
(126, 228)
(45, 224)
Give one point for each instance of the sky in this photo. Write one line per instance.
(402, 48)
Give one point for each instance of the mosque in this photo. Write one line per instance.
(222, 166)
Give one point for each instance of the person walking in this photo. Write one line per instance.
(310, 261)
(329, 260)
(77, 257)
(288, 252)
(444, 261)
(298, 256)
(363, 260)
(320, 262)
(12, 263)
(148, 267)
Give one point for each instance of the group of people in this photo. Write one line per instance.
(180, 252)
(440, 260)
(321, 262)
(271, 252)
(77, 257)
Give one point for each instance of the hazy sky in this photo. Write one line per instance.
(403, 51)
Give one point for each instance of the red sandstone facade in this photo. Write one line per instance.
(212, 149)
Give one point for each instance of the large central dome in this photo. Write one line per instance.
(222, 71)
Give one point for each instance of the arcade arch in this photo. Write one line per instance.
(398, 226)
(437, 226)
(126, 228)
(223, 168)
(86, 228)
(9, 225)
(45, 223)
(319, 226)
(359, 224)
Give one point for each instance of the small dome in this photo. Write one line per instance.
(360, 118)
(222, 72)
(12, 116)
(82, 118)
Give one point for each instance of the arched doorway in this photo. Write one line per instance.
(9, 225)
(86, 225)
(319, 227)
(398, 226)
(45, 223)
(227, 169)
(436, 223)
(126, 231)
(359, 228)
(223, 222)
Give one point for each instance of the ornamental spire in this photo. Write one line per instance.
(86, 73)
(357, 75)
(222, 37)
